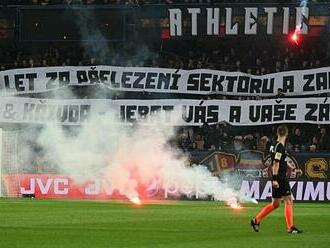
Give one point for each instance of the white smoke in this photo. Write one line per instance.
(303, 4)
(125, 156)
(129, 156)
(93, 40)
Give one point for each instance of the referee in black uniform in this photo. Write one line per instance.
(280, 184)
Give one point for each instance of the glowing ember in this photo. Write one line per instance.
(233, 203)
(135, 200)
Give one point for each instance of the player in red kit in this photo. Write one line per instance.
(280, 184)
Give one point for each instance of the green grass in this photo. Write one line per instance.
(60, 223)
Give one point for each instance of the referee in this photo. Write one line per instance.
(280, 184)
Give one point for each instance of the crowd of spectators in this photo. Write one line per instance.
(304, 137)
(253, 58)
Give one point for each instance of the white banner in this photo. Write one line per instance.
(43, 79)
(189, 112)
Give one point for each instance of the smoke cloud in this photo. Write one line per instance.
(128, 157)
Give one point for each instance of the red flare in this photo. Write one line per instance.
(295, 38)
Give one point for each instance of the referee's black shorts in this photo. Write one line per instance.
(283, 189)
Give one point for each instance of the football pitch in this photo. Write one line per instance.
(63, 223)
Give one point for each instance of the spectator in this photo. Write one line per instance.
(249, 143)
(225, 142)
(238, 143)
(297, 140)
(324, 144)
(314, 144)
(184, 141)
(198, 142)
(215, 136)
(263, 144)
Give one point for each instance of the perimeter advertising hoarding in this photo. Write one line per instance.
(251, 166)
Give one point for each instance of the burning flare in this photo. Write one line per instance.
(135, 200)
(234, 203)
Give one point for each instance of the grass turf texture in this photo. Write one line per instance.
(61, 223)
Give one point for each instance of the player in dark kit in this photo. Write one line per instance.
(280, 184)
